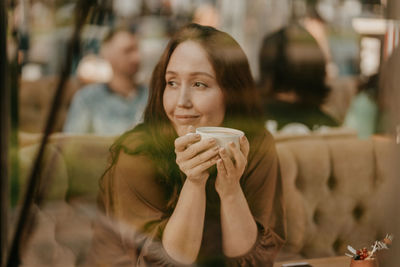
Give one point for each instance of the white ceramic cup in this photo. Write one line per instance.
(222, 135)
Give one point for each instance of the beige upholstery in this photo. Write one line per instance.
(337, 192)
(71, 170)
(35, 98)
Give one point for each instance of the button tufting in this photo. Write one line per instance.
(358, 212)
(332, 181)
(299, 183)
(337, 245)
(317, 217)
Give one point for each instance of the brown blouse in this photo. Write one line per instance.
(134, 202)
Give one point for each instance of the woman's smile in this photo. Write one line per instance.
(186, 119)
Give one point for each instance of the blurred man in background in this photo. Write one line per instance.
(115, 105)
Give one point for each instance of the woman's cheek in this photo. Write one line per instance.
(212, 107)
(169, 98)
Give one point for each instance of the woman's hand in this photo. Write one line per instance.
(194, 156)
(230, 171)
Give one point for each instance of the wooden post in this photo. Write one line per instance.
(4, 132)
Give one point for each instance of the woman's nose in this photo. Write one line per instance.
(184, 97)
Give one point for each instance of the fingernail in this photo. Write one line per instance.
(197, 135)
(232, 144)
(222, 150)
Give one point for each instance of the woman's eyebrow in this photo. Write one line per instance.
(202, 73)
(197, 73)
(170, 72)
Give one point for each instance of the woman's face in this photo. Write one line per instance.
(192, 95)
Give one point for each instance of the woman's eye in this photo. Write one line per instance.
(200, 84)
(171, 84)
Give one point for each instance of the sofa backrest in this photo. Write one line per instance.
(70, 173)
(337, 190)
(84, 158)
(35, 98)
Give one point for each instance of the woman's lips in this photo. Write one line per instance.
(186, 118)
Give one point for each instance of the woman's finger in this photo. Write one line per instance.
(244, 146)
(196, 148)
(200, 158)
(229, 167)
(221, 168)
(240, 159)
(202, 167)
(182, 142)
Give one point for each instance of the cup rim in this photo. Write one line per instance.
(234, 132)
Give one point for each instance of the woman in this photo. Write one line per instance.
(293, 79)
(169, 204)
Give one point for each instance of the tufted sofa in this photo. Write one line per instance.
(34, 99)
(338, 190)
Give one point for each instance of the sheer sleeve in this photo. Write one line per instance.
(262, 186)
(129, 233)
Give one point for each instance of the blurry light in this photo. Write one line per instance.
(271, 126)
(127, 8)
(370, 55)
(327, 9)
(352, 8)
(206, 15)
(93, 69)
(181, 6)
(391, 37)
(31, 72)
(369, 25)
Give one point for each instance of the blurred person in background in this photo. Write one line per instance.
(340, 66)
(318, 29)
(363, 113)
(293, 79)
(207, 15)
(174, 199)
(112, 107)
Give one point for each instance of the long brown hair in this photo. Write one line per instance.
(233, 76)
